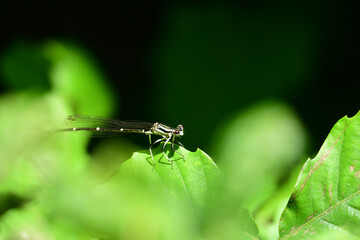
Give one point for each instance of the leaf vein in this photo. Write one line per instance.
(321, 214)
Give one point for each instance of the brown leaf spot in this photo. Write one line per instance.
(330, 191)
(321, 160)
(352, 168)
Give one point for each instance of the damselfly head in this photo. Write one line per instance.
(179, 130)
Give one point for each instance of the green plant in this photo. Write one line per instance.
(51, 187)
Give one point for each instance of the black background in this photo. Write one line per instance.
(120, 34)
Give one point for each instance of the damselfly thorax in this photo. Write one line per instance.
(103, 127)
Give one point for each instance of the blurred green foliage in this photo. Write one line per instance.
(252, 152)
(51, 187)
(33, 72)
(255, 150)
(75, 77)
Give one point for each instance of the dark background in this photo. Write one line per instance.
(133, 41)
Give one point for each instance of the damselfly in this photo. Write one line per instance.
(103, 127)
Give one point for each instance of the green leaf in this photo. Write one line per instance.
(75, 75)
(29, 223)
(142, 201)
(193, 176)
(268, 216)
(326, 196)
(257, 148)
(31, 158)
(196, 179)
(225, 223)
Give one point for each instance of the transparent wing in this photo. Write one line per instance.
(103, 127)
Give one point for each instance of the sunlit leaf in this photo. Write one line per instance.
(196, 179)
(327, 196)
(192, 175)
(256, 148)
(141, 202)
(230, 223)
(31, 157)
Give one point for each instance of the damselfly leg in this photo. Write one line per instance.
(172, 146)
(102, 127)
(165, 140)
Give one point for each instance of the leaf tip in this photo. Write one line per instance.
(202, 152)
